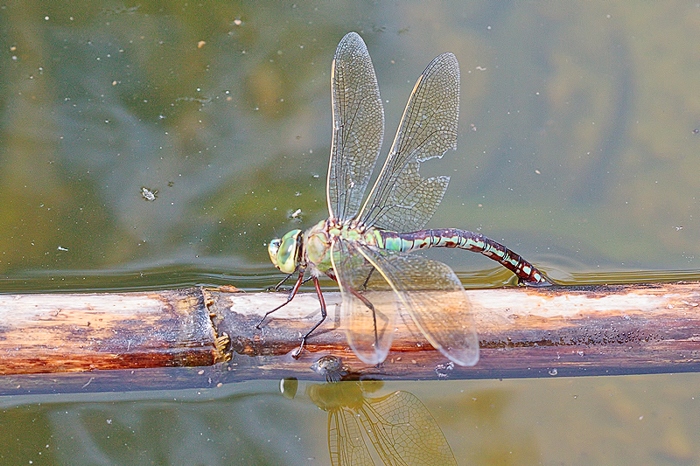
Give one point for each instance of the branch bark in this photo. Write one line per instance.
(523, 332)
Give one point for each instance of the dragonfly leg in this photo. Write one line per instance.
(324, 314)
(367, 303)
(292, 293)
(369, 275)
(278, 285)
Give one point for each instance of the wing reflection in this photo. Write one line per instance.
(398, 425)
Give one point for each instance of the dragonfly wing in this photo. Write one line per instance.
(358, 127)
(403, 431)
(345, 442)
(439, 306)
(433, 296)
(369, 307)
(375, 284)
(401, 200)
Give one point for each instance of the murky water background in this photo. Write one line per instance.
(578, 148)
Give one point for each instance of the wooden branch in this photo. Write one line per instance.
(523, 332)
(82, 332)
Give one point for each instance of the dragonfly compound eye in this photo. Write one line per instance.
(272, 250)
(285, 251)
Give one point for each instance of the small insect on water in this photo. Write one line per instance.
(363, 245)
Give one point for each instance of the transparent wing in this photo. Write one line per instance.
(436, 301)
(426, 289)
(404, 432)
(369, 307)
(358, 127)
(401, 200)
(345, 442)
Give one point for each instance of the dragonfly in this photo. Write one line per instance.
(364, 244)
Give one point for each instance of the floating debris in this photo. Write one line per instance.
(148, 194)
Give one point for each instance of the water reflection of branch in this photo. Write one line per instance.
(398, 425)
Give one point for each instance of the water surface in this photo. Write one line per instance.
(579, 135)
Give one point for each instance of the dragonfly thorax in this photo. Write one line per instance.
(321, 241)
(285, 252)
(317, 244)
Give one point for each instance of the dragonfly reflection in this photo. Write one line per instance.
(398, 426)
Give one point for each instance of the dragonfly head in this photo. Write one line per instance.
(284, 252)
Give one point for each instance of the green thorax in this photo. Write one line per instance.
(319, 238)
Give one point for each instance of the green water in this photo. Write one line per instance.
(578, 148)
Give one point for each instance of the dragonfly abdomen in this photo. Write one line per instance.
(462, 239)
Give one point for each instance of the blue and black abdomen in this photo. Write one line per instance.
(462, 239)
